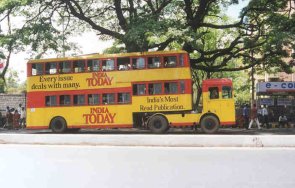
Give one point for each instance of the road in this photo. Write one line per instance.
(222, 131)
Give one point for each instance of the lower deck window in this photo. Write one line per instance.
(124, 98)
(108, 98)
(50, 100)
(65, 100)
(79, 100)
(170, 88)
(93, 99)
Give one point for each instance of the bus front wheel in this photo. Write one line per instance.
(209, 124)
(58, 125)
(158, 124)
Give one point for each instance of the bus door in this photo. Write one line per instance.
(227, 103)
(213, 102)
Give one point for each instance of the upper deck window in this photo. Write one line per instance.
(93, 65)
(226, 92)
(170, 61)
(181, 60)
(108, 65)
(51, 68)
(123, 63)
(154, 62)
(79, 66)
(65, 67)
(138, 63)
(37, 69)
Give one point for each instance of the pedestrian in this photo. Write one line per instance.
(19, 108)
(246, 116)
(253, 117)
(9, 118)
(259, 113)
(283, 121)
(16, 117)
(265, 116)
(22, 122)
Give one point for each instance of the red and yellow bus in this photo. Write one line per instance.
(151, 90)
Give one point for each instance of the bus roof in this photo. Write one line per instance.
(97, 56)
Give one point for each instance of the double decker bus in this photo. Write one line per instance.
(150, 90)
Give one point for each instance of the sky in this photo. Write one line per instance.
(90, 43)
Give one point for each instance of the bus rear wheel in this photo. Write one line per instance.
(209, 124)
(158, 124)
(58, 125)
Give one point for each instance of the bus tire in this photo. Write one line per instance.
(209, 124)
(158, 124)
(58, 125)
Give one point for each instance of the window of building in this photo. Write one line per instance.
(226, 92)
(170, 88)
(108, 65)
(154, 62)
(50, 101)
(37, 69)
(170, 61)
(139, 89)
(79, 100)
(123, 63)
(124, 98)
(108, 98)
(51, 68)
(65, 67)
(155, 88)
(214, 92)
(65, 100)
(93, 99)
(93, 65)
(79, 66)
(138, 63)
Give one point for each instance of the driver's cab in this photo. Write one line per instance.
(218, 98)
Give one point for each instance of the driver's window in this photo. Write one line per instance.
(226, 92)
(214, 93)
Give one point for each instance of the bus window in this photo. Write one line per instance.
(65, 67)
(214, 93)
(50, 100)
(170, 88)
(226, 92)
(79, 66)
(154, 62)
(155, 89)
(93, 99)
(108, 98)
(37, 69)
(65, 100)
(108, 65)
(123, 63)
(139, 89)
(79, 100)
(138, 63)
(170, 61)
(93, 65)
(50, 68)
(182, 87)
(181, 60)
(123, 98)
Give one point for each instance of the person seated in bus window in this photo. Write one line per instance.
(170, 61)
(214, 93)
